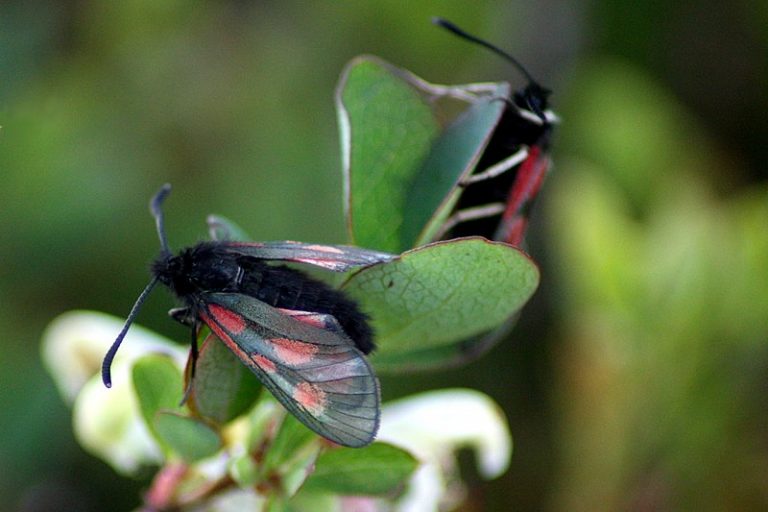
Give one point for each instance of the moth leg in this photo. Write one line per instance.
(496, 169)
(193, 352)
(476, 212)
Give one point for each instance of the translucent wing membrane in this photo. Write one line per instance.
(338, 258)
(305, 360)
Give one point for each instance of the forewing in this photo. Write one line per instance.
(338, 258)
(305, 360)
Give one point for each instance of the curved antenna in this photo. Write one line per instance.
(495, 49)
(155, 206)
(106, 365)
(534, 94)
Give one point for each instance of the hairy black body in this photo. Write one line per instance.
(512, 132)
(210, 267)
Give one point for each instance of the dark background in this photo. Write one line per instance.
(636, 379)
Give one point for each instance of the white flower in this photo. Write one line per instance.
(107, 422)
(433, 426)
(75, 343)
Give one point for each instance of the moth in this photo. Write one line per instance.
(304, 340)
(496, 201)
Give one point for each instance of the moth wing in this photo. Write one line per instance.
(305, 360)
(338, 258)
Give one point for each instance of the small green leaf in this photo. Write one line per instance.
(291, 439)
(309, 501)
(188, 437)
(445, 355)
(244, 470)
(224, 387)
(452, 158)
(387, 128)
(264, 420)
(406, 144)
(441, 295)
(374, 470)
(298, 469)
(158, 384)
(221, 228)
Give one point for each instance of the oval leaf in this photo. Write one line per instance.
(221, 228)
(406, 144)
(377, 469)
(441, 295)
(158, 384)
(435, 189)
(386, 128)
(188, 437)
(291, 440)
(456, 354)
(224, 388)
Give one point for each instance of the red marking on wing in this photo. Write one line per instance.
(526, 186)
(292, 352)
(223, 336)
(263, 363)
(325, 248)
(313, 319)
(319, 262)
(227, 318)
(310, 397)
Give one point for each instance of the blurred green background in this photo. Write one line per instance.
(637, 376)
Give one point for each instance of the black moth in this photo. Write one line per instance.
(497, 200)
(303, 339)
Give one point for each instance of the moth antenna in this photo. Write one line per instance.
(534, 94)
(155, 206)
(441, 22)
(106, 365)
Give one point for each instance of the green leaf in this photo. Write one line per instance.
(387, 129)
(291, 455)
(221, 228)
(292, 438)
(439, 296)
(374, 470)
(189, 438)
(406, 144)
(308, 501)
(296, 471)
(264, 420)
(244, 470)
(224, 387)
(455, 354)
(158, 384)
(435, 191)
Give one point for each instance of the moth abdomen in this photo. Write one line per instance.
(288, 288)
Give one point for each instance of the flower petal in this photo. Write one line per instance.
(74, 345)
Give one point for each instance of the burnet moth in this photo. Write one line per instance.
(304, 340)
(497, 200)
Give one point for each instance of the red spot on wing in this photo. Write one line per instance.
(328, 263)
(306, 317)
(310, 397)
(263, 363)
(259, 360)
(292, 352)
(223, 336)
(227, 318)
(325, 248)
